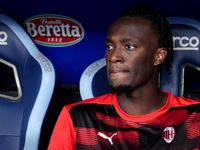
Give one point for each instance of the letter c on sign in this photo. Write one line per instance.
(181, 41)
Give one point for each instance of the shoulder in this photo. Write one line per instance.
(107, 99)
(89, 110)
(177, 101)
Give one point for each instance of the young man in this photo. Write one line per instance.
(137, 115)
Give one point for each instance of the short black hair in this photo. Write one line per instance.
(160, 26)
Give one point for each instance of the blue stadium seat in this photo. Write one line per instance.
(27, 82)
(94, 80)
(183, 81)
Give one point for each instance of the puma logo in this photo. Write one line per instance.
(106, 137)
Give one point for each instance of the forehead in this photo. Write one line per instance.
(130, 26)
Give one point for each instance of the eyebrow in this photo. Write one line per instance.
(122, 40)
(125, 40)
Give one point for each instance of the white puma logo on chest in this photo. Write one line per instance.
(106, 137)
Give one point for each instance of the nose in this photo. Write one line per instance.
(116, 56)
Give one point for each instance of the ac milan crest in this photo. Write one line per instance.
(168, 134)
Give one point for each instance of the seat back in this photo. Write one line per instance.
(93, 81)
(183, 81)
(24, 99)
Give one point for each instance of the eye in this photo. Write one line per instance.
(108, 47)
(129, 46)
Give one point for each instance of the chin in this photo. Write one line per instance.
(120, 89)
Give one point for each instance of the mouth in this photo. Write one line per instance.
(118, 75)
(116, 71)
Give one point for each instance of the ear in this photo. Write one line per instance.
(160, 56)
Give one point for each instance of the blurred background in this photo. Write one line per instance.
(89, 21)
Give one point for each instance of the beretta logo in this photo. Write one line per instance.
(54, 30)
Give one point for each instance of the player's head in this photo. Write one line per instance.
(160, 25)
(136, 44)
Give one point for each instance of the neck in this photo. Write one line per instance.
(141, 102)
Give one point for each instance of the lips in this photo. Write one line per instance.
(118, 75)
(117, 71)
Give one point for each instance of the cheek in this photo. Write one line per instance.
(144, 71)
(141, 68)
